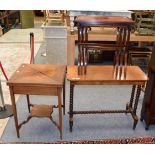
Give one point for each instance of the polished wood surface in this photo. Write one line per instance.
(41, 111)
(105, 75)
(104, 20)
(38, 74)
(38, 79)
(123, 28)
(100, 35)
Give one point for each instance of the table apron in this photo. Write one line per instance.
(108, 83)
(36, 90)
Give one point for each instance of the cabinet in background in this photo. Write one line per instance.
(148, 108)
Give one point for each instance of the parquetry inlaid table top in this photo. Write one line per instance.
(39, 74)
(38, 79)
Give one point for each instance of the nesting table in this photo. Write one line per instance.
(105, 75)
(38, 79)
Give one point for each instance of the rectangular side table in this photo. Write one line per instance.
(38, 79)
(104, 75)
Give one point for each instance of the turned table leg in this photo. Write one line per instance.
(135, 117)
(60, 112)
(71, 107)
(130, 104)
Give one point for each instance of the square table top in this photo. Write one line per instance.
(104, 21)
(105, 75)
(38, 74)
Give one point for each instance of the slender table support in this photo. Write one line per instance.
(130, 104)
(38, 79)
(64, 93)
(123, 27)
(71, 106)
(135, 106)
(105, 35)
(14, 110)
(104, 76)
(60, 111)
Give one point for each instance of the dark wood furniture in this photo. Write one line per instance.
(105, 75)
(123, 27)
(148, 108)
(9, 18)
(102, 36)
(38, 79)
(74, 13)
(140, 56)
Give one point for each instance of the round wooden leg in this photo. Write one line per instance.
(71, 107)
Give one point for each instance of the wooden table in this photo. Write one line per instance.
(104, 75)
(38, 79)
(75, 13)
(100, 35)
(122, 25)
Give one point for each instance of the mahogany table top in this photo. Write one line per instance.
(105, 75)
(104, 20)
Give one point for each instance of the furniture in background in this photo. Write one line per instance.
(123, 27)
(54, 16)
(140, 56)
(97, 35)
(38, 79)
(105, 75)
(103, 35)
(148, 107)
(145, 22)
(39, 13)
(8, 19)
(74, 13)
(95, 56)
